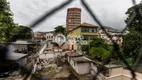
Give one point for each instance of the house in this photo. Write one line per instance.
(21, 46)
(80, 64)
(82, 34)
(38, 36)
(114, 34)
(21, 58)
(49, 36)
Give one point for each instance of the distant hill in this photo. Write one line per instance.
(110, 29)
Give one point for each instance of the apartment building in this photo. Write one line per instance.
(73, 18)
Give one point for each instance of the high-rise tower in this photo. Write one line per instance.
(73, 18)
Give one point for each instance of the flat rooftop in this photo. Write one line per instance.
(81, 59)
(15, 56)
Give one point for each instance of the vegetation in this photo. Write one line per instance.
(6, 22)
(8, 28)
(132, 42)
(99, 49)
(60, 29)
(22, 32)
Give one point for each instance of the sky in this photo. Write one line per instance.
(110, 12)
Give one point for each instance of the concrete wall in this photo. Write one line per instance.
(115, 78)
(116, 71)
(80, 68)
(93, 69)
(42, 49)
(121, 74)
(19, 47)
(83, 68)
(23, 61)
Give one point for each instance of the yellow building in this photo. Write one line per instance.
(83, 34)
(86, 30)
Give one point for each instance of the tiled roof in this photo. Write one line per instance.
(87, 24)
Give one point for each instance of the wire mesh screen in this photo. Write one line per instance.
(115, 51)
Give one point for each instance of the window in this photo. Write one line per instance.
(70, 20)
(92, 30)
(83, 29)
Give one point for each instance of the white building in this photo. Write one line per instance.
(20, 45)
(81, 64)
(49, 36)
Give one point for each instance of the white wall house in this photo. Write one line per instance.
(20, 45)
(81, 64)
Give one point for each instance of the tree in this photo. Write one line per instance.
(6, 22)
(99, 42)
(132, 42)
(137, 22)
(22, 32)
(60, 29)
(98, 53)
(99, 49)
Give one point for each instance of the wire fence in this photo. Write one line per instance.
(116, 49)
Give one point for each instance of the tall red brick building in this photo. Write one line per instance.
(73, 18)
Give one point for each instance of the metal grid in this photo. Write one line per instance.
(116, 50)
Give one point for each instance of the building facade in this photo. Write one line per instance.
(113, 33)
(73, 18)
(83, 34)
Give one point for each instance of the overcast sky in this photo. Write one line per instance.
(110, 12)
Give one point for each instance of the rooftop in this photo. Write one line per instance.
(74, 55)
(15, 56)
(74, 9)
(87, 24)
(81, 59)
(22, 42)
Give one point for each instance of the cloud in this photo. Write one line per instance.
(110, 12)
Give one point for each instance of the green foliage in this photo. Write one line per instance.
(137, 22)
(99, 42)
(60, 29)
(99, 49)
(133, 40)
(22, 32)
(98, 52)
(6, 22)
(131, 44)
